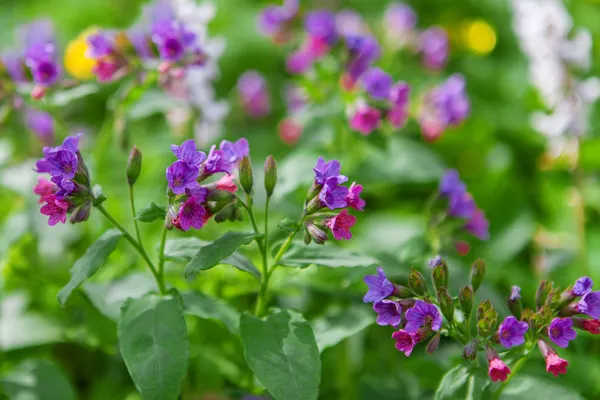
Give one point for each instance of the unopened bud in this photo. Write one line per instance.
(307, 237)
(465, 297)
(270, 175)
(237, 215)
(38, 92)
(246, 178)
(316, 233)
(470, 351)
(589, 325)
(81, 213)
(134, 166)
(402, 292)
(446, 303)
(416, 282)
(433, 344)
(226, 213)
(440, 275)
(541, 296)
(477, 274)
(487, 319)
(220, 196)
(514, 302)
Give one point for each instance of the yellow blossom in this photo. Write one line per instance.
(76, 61)
(479, 36)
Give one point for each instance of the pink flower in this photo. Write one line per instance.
(56, 208)
(316, 47)
(44, 188)
(340, 225)
(353, 199)
(556, 365)
(299, 62)
(397, 116)
(405, 342)
(365, 120)
(497, 370)
(289, 131)
(227, 184)
(191, 215)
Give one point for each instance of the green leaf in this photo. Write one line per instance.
(151, 213)
(283, 354)
(241, 262)
(336, 326)
(153, 101)
(202, 306)
(108, 297)
(92, 260)
(462, 383)
(529, 387)
(64, 97)
(213, 253)
(37, 380)
(154, 343)
(302, 256)
(288, 225)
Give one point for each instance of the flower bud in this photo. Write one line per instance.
(465, 296)
(316, 233)
(402, 292)
(446, 303)
(477, 274)
(134, 166)
(246, 178)
(313, 206)
(514, 302)
(220, 196)
(487, 319)
(470, 351)
(440, 275)
(541, 296)
(225, 214)
(270, 175)
(416, 282)
(589, 325)
(307, 238)
(81, 213)
(433, 344)
(237, 215)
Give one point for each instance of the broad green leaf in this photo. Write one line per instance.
(20, 328)
(302, 256)
(336, 326)
(283, 354)
(529, 387)
(213, 253)
(151, 212)
(154, 343)
(202, 306)
(37, 380)
(64, 97)
(183, 249)
(152, 102)
(462, 383)
(108, 297)
(85, 267)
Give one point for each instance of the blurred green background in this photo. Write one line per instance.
(532, 208)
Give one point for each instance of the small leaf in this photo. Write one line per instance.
(202, 306)
(334, 327)
(302, 256)
(461, 383)
(241, 262)
(64, 97)
(154, 343)
(288, 225)
(37, 380)
(92, 260)
(529, 387)
(99, 196)
(213, 253)
(151, 213)
(283, 354)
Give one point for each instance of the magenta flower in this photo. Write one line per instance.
(365, 120)
(330, 169)
(379, 287)
(561, 331)
(388, 312)
(479, 226)
(253, 93)
(554, 364)
(590, 305)
(423, 314)
(497, 370)
(182, 176)
(399, 94)
(41, 123)
(299, 62)
(332, 195)
(582, 286)
(187, 153)
(217, 162)
(321, 24)
(435, 48)
(405, 341)
(227, 184)
(512, 332)
(44, 188)
(377, 83)
(55, 208)
(340, 225)
(234, 152)
(191, 214)
(461, 205)
(353, 198)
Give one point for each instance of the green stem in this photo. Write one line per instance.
(135, 222)
(137, 246)
(161, 256)
(513, 371)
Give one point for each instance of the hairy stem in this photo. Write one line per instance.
(135, 222)
(513, 371)
(161, 256)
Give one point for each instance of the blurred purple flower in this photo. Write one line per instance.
(398, 20)
(363, 51)
(40, 54)
(140, 41)
(451, 183)
(234, 152)
(101, 44)
(41, 123)
(423, 314)
(512, 332)
(340, 225)
(254, 96)
(332, 195)
(377, 83)
(582, 286)
(187, 153)
(295, 99)
(273, 19)
(461, 205)
(434, 47)
(191, 214)
(182, 176)
(389, 312)
(515, 293)
(171, 37)
(478, 225)
(561, 331)
(299, 62)
(379, 287)
(321, 24)
(365, 120)
(349, 22)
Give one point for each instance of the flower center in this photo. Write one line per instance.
(428, 320)
(555, 331)
(177, 181)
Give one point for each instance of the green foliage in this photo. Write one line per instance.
(301, 256)
(151, 213)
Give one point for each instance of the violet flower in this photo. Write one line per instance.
(101, 44)
(405, 341)
(321, 24)
(434, 47)
(253, 93)
(40, 54)
(349, 22)
(379, 287)
(216, 162)
(182, 176)
(365, 120)
(191, 214)
(353, 198)
(234, 152)
(340, 225)
(582, 286)
(399, 19)
(561, 331)
(332, 195)
(273, 19)
(478, 226)
(377, 83)
(299, 62)
(590, 305)
(41, 123)
(451, 183)
(512, 332)
(461, 205)
(171, 37)
(330, 169)
(389, 312)
(423, 314)
(187, 153)
(363, 51)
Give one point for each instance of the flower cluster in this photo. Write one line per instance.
(327, 195)
(68, 190)
(192, 204)
(418, 316)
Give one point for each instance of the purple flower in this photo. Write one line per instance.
(65, 186)
(330, 169)
(399, 94)
(217, 162)
(451, 183)
(423, 314)
(295, 99)
(273, 19)
(365, 120)
(405, 341)
(56, 208)
(41, 123)
(398, 20)
(582, 286)
(321, 24)
(191, 214)
(512, 332)
(14, 66)
(171, 37)
(182, 176)
(388, 312)
(377, 83)
(379, 287)
(332, 195)
(254, 96)
(349, 22)
(234, 152)
(478, 225)
(299, 62)
(40, 52)
(461, 205)
(101, 44)
(364, 50)
(140, 41)
(187, 153)
(434, 262)
(340, 225)
(561, 331)
(434, 47)
(353, 199)
(590, 305)
(62, 163)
